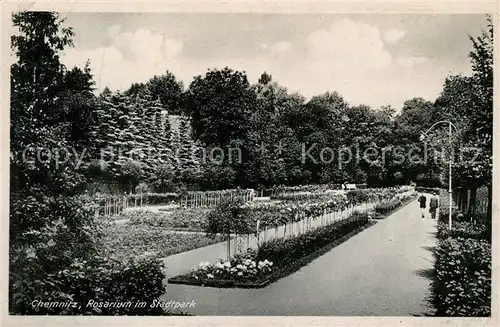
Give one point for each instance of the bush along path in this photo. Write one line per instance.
(280, 257)
(380, 271)
(462, 281)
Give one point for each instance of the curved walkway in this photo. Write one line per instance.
(381, 271)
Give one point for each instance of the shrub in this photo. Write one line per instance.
(46, 234)
(462, 229)
(54, 257)
(228, 217)
(141, 188)
(456, 215)
(92, 284)
(462, 284)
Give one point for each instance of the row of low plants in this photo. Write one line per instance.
(272, 215)
(273, 259)
(462, 279)
(304, 195)
(387, 206)
(464, 229)
(352, 194)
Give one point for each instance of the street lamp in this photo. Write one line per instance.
(422, 137)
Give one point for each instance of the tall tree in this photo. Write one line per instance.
(220, 104)
(78, 80)
(37, 115)
(49, 230)
(168, 90)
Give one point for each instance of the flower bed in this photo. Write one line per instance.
(125, 241)
(179, 219)
(284, 191)
(281, 190)
(241, 271)
(273, 215)
(302, 195)
(274, 259)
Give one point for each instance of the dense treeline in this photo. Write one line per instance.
(235, 133)
(259, 135)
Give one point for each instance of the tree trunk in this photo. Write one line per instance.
(488, 213)
(463, 199)
(472, 201)
(228, 246)
(455, 196)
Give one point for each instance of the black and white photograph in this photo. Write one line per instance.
(195, 164)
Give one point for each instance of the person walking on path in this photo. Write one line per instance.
(433, 205)
(422, 199)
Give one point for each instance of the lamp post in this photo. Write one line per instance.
(450, 163)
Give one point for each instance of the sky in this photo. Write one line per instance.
(377, 59)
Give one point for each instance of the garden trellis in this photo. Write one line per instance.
(115, 204)
(214, 198)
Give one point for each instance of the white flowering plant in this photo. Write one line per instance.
(245, 267)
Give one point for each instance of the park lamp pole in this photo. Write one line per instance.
(450, 163)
